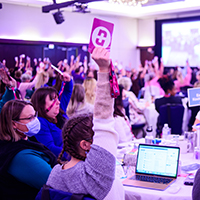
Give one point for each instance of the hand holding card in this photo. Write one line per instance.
(66, 77)
(57, 69)
(101, 35)
(4, 75)
(102, 57)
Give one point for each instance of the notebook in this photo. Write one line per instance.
(156, 168)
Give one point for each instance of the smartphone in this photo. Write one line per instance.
(5, 77)
(189, 180)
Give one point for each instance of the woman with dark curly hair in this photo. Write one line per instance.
(167, 84)
(169, 88)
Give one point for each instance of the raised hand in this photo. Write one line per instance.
(155, 62)
(66, 77)
(12, 82)
(35, 61)
(16, 59)
(72, 57)
(102, 57)
(146, 64)
(60, 64)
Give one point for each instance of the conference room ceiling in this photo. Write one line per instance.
(152, 8)
(156, 2)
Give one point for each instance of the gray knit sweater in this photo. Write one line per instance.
(92, 177)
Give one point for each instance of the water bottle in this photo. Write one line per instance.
(165, 131)
(149, 136)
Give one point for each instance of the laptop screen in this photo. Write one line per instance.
(158, 160)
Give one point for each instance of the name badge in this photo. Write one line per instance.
(194, 97)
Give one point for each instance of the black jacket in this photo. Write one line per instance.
(166, 100)
(10, 187)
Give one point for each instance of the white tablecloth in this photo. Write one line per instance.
(185, 192)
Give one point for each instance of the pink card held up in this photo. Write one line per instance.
(101, 35)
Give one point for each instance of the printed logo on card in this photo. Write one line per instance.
(194, 97)
(101, 35)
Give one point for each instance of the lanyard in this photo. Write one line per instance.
(51, 106)
(13, 89)
(59, 97)
(62, 89)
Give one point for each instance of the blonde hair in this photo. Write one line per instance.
(90, 90)
(77, 98)
(41, 79)
(125, 82)
(179, 76)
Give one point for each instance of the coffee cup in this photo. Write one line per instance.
(191, 136)
(184, 145)
(196, 153)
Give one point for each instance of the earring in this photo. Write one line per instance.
(86, 152)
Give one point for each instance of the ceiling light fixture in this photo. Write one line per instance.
(79, 7)
(58, 16)
(130, 2)
(54, 6)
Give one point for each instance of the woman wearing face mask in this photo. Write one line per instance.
(46, 103)
(24, 165)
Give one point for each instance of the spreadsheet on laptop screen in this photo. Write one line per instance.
(157, 160)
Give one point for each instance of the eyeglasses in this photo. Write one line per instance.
(30, 118)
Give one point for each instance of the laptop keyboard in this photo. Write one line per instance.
(151, 179)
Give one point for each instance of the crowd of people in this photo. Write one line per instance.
(62, 129)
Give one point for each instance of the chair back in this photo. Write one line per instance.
(184, 90)
(48, 193)
(125, 103)
(172, 114)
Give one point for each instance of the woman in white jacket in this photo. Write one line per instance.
(91, 169)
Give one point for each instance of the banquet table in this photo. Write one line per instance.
(185, 192)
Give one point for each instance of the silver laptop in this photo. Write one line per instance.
(156, 168)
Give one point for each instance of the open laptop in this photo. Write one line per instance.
(156, 168)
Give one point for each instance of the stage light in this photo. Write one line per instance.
(0, 5)
(58, 16)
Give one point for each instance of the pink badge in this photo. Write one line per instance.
(101, 35)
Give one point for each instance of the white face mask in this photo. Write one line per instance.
(33, 127)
